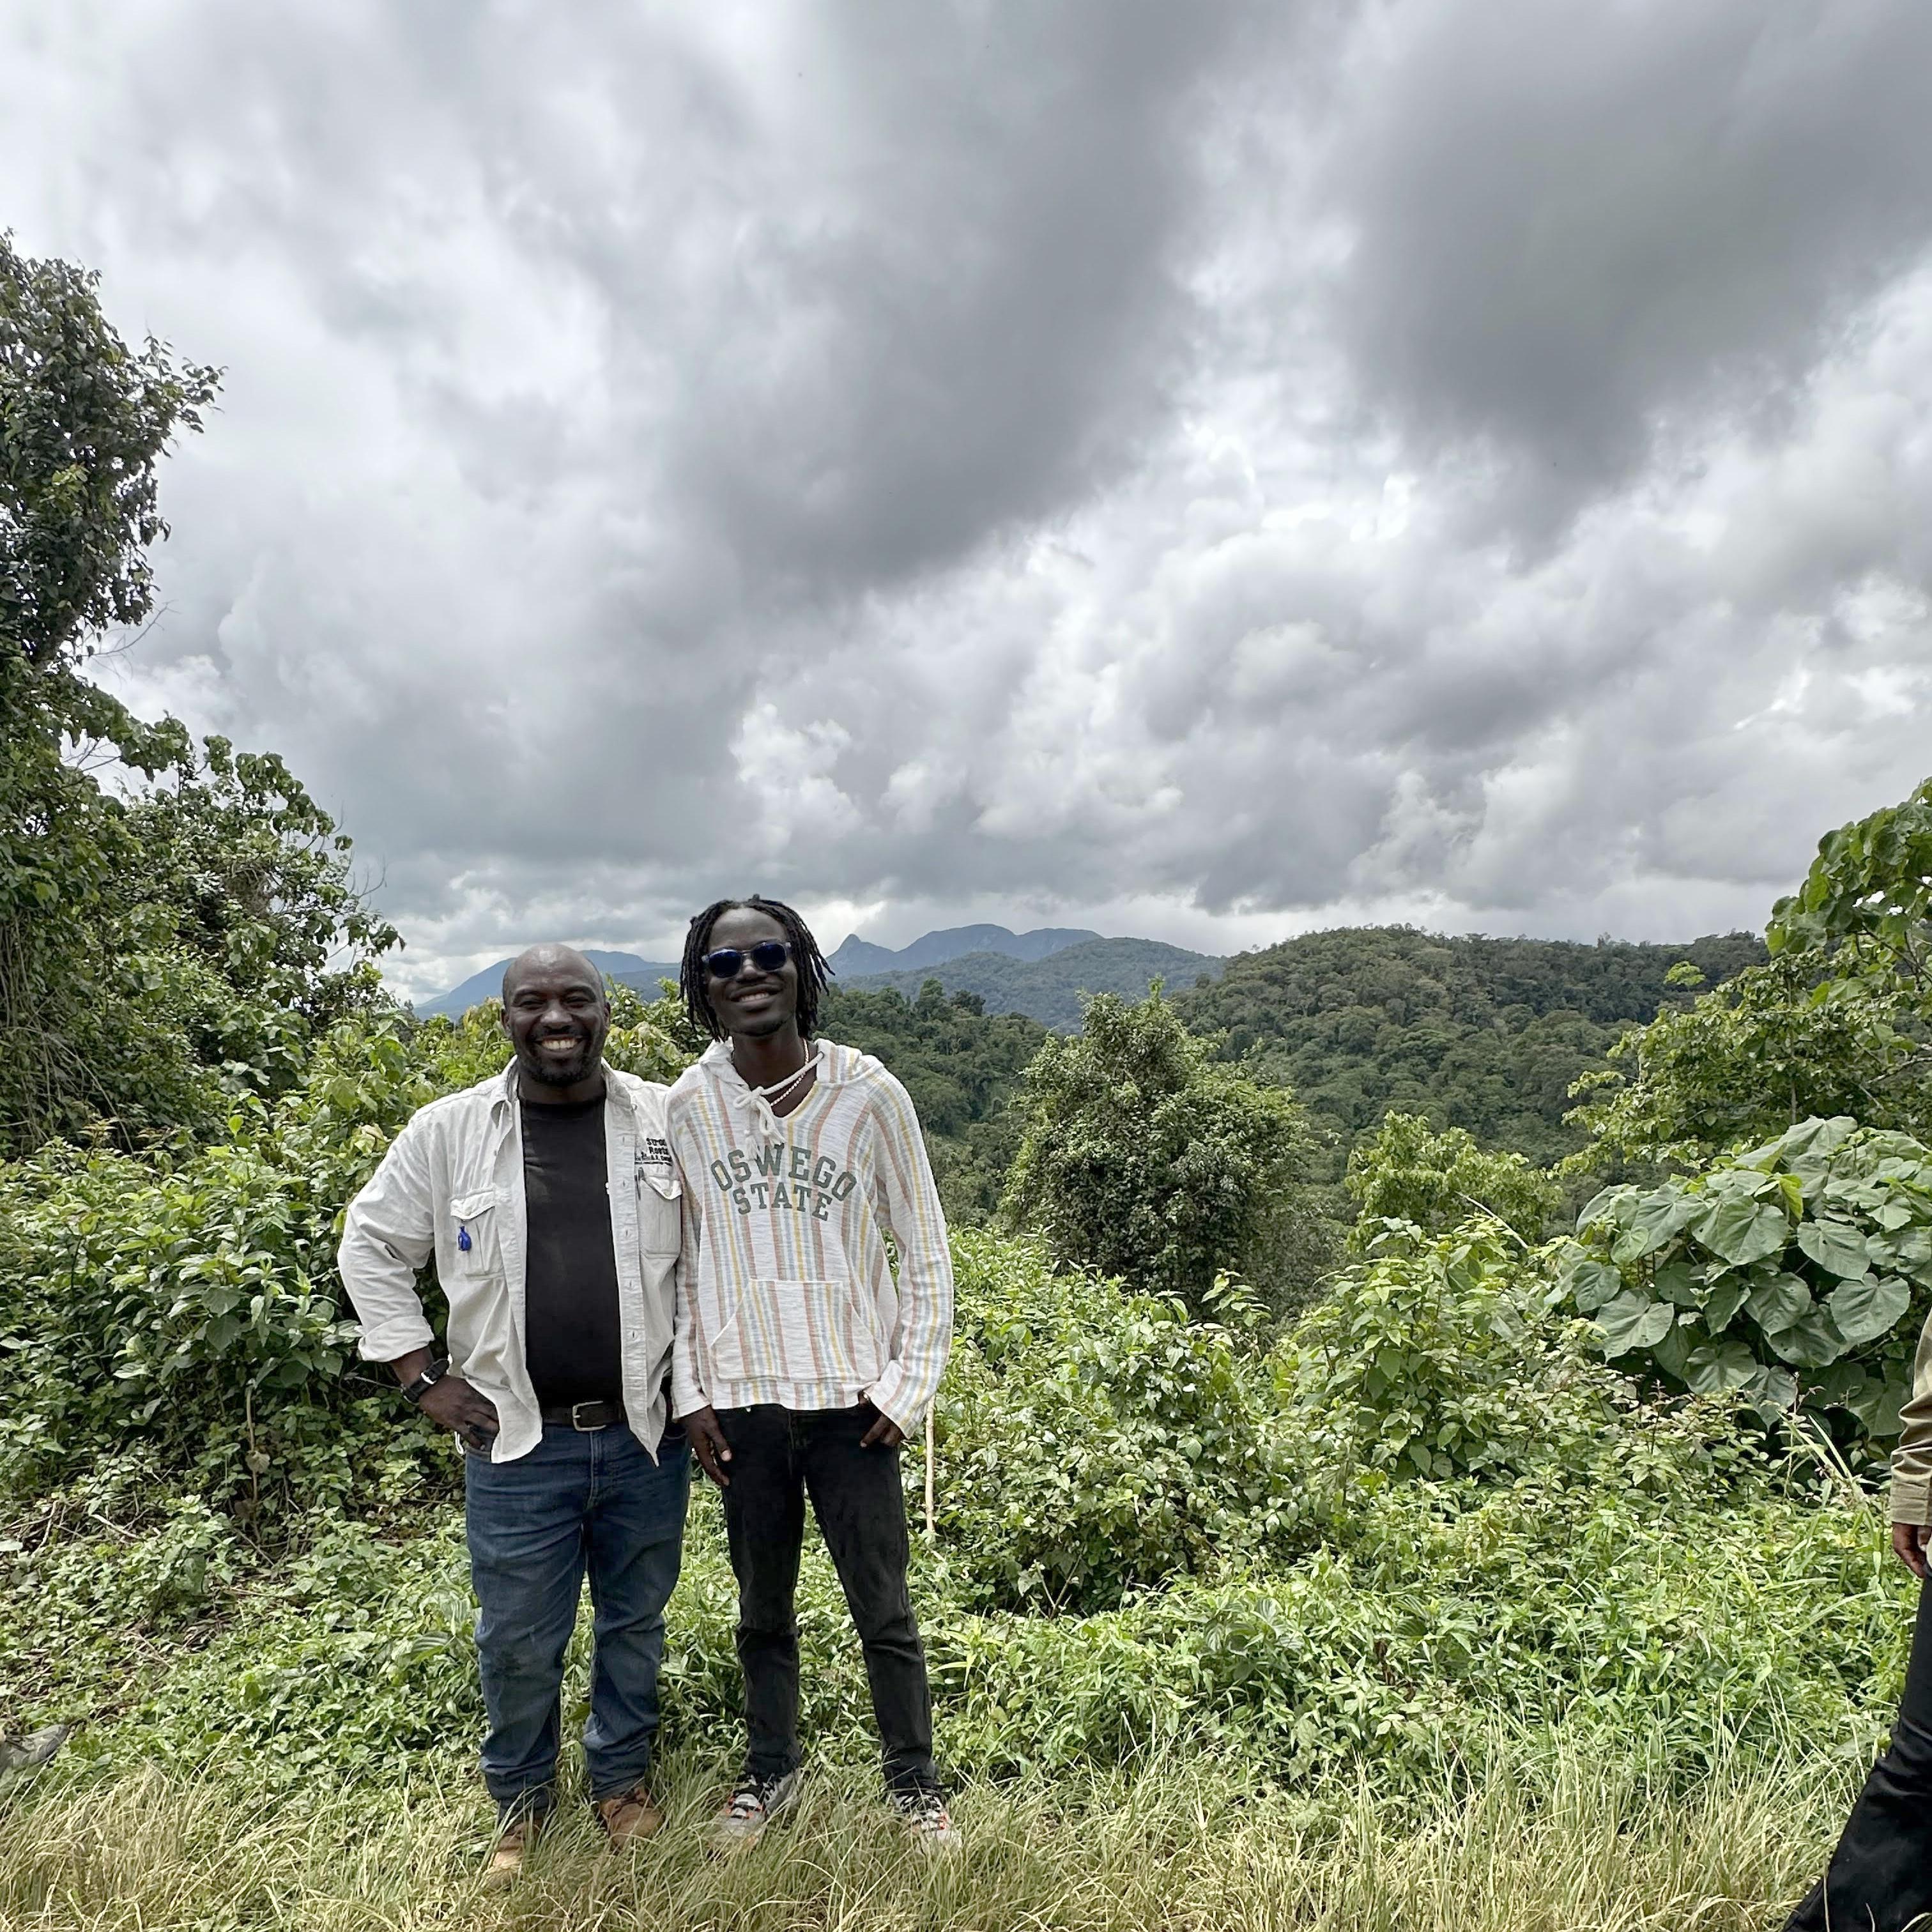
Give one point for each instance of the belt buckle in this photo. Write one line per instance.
(587, 1428)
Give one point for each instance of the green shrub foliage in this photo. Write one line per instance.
(189, 1304)
(1839, 1021)
(1795, 1273)
(1096, 1440)
(1405, 1170)
(1144, 1158)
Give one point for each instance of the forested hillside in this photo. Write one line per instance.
(1480, 1033)
(1052, 990)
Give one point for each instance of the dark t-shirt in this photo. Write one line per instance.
(572, 1337)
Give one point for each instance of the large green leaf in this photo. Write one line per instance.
(1843, 1385)
(1654, 1222)
(1741, 1231)
(1720, 1365)
(1722, 1302)
(1672, 1351)
(1677, 1281)
(1911, 1252)
(1779, 1302)
(1837, 1247)
(1882, 1418)
(1869, 1307)
(1593, 1283)
(1811, 1341)
(1609, 1205)
(1770, 1391)
(1633, 1322)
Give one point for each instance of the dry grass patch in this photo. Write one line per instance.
(1564, 1843)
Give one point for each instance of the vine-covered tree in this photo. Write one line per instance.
(1144, 1156)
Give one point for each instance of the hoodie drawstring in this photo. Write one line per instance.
(759, 1099)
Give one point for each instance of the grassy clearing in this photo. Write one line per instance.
(1564, 1841)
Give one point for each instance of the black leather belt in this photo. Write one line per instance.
(586, 1417)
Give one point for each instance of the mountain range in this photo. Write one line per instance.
(1042, 973)
(859, 955)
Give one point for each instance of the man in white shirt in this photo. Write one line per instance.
(548, 1198)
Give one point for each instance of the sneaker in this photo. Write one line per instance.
(628, 1816)
(753, 1805)
(928, 1824)
(517, 1834)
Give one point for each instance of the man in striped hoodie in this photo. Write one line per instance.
(800, 1364)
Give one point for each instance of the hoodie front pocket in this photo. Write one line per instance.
(803, 1332)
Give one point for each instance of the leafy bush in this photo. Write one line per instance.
(1838, 1022)
(1438, 1357)
(1143, 1157)
(1405, 1170)
(1792, 1273)
(1094, 1441)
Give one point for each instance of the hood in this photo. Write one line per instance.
(838, 1067)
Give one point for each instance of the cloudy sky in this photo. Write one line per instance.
(1197, 469)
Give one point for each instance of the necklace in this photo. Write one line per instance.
(778, 1089)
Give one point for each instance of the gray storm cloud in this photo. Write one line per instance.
(1172, 465)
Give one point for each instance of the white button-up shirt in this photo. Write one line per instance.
(451, 1186)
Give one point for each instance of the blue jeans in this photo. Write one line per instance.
(591, 1502)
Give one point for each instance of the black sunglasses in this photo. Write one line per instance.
(768, 956)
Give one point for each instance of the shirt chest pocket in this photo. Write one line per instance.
(473, 1232)
(660, 1228)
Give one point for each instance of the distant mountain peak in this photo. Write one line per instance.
(626, 967)
(858, 955)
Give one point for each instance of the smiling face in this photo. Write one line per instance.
(752, 1004)
(557, 1016)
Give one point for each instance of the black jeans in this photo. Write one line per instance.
(779, 1457)
(1880, 1877)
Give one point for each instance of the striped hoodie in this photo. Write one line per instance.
(786, 1293)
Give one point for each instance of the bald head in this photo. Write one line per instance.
(547, 959)
(557, 1013)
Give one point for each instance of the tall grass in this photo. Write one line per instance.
(1557, 1838)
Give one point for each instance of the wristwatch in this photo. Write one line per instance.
(414, 1391)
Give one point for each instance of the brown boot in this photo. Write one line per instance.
(506, 1855)
(630, 1815)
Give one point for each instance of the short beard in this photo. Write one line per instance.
(560, 1073)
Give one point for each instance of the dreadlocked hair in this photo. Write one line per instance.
(813, 972)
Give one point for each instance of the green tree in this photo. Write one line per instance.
(1485, 1034)
(1407, 1172)
(164, 949)
(1143, 1156)
(83, 420)
(1838, 1022)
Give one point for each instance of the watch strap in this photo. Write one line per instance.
(414, 1391)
